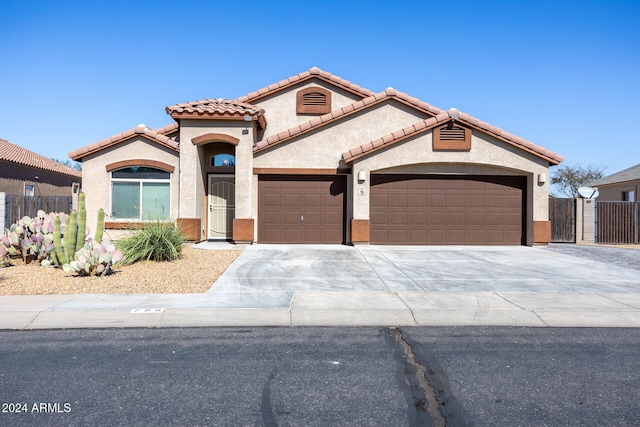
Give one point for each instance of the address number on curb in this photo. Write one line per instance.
(147, 310)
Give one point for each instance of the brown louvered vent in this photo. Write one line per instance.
(313, 100)
(452, 133)
(452, 138)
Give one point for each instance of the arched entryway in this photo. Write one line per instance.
(218, 156)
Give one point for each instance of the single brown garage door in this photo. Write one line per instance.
(301, 209)
(447, 210)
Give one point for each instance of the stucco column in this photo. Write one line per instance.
(360, 224)
(588, 220)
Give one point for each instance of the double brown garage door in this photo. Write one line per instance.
(447, 210)
(301, 209)
(404, 209)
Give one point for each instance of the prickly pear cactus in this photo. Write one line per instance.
(94, 259)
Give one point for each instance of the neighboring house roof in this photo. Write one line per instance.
(629, 174)
(140, 130)
(446, 116)
(314, 72)
(15, 154)
(217, 108)
(345, 111)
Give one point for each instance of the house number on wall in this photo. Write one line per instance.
(361, 191)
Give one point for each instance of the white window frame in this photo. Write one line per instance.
(140, 182)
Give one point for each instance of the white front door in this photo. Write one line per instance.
(222, 204)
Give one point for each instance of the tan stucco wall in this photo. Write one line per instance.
(488, 156)
(193, 201)
(96, 181)
(280, 110)
(324, 148)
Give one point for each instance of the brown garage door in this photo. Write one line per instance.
(301, 209)
(447, 210)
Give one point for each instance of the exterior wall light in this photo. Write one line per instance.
(362, 176)
(542, 178)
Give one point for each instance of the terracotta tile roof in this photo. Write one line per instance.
(629, 174)
(126, 135)
(445, 116)
(345, 111)
(314, 72)
(15, 154)
(222, 108)
(169, 129)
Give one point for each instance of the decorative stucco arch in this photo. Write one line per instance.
(215, 137)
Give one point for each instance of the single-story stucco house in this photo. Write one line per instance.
(318, 159)
(620, 186)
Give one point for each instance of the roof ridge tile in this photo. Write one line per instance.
(311, 73)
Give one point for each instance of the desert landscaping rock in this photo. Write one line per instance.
(194, 272)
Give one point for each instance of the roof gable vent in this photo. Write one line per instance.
(452, 137)
(313, 100)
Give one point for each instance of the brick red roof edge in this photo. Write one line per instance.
(14, 153)
(445, 116)
(116, 139)
(306, 75)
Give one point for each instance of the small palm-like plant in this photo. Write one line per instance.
(155, 240)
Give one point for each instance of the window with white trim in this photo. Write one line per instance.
(140, 193)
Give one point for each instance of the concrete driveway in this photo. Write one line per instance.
(268, 285)
(292, 268)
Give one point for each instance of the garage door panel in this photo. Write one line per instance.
(447, 209)
(456, 200)
(301, 209)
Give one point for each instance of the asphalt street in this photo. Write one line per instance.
(483, 376)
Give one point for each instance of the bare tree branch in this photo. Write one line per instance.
(569, 178)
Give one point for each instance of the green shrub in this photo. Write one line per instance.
(155, 240)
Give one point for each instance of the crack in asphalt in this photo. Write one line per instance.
(420, 394)
(268, 417)
(425, 383)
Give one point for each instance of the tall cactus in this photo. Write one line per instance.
(100, 226)
(82, 224)
(70, 235)
(59, 256)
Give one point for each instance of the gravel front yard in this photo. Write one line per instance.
(194, 272)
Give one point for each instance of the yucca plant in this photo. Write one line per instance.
(155, 240)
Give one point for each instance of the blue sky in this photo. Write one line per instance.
(562, 74)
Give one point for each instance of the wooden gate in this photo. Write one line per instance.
(562, 214)
(617, 222)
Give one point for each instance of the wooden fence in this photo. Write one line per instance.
(617, 222)
(562, 214)
(18, 206)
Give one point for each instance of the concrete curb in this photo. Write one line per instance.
(313, 308)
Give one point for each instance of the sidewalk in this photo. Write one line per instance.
(366, 286)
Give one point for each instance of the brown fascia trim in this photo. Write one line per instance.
(140, 162)
(301, 171)
(262, 122)
(418, 129)
(164, 141)
(215, 137)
